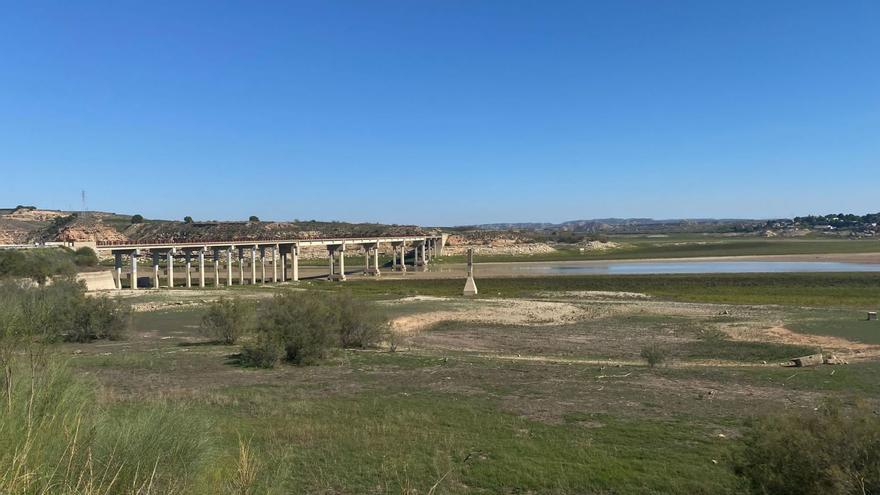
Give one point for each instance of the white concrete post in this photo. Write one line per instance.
(393, 257)
(366, 260)
(262, 264)
(229, 266)
(254, 265)
(169, 265)
(134, 270)
(155, 270)
(294, 263)
(241, 266)
(216, 267)
(403, 257)
(275, 263)
(376, 259)
(342, 262)
(332, 273)
(118, 265)
(188, 258)
(202, 268)
(283, 266)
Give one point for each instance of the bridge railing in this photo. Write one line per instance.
(252, 241)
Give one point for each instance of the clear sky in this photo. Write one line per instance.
(441, 112)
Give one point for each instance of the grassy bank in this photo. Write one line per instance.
(691, 247)
(849, 290)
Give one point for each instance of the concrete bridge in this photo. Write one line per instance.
(252, 257)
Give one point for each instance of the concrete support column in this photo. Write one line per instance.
(283, 265)
(155, 270)
(169, 268)
(393, 258)
(229, 266)
(216, 268)
(117, 264)
(254, 265)
(342, 263)
(262, 264)
(332, 271)
(202, 268)
(275, 263)
(402, 257)
(241, 266)
(376, 260)
(294, 263)
(367, 254)
(134, 270)
(187, 255)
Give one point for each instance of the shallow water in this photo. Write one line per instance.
(661, 267)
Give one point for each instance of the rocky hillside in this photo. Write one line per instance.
(26, 224)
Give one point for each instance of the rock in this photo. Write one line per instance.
(833, 360)
(811, 360)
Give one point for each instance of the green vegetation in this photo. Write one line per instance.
(846, 290)
(85, 257)
(253, 218)
(137, 219)
(829, 452)
(309, 325)
(654, 354)
(228, 319)
(187, 219)
(691, 246)
(38, 264)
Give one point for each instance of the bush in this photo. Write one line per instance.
(36, 264)
(85, 256)
(654, 354)
(254, 218)
(361, 324)
(265, 351)
(137, 219)
(99, 318)
(228, 319)
(187, 219)
(830, 451)
(307, 326)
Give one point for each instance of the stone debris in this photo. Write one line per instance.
(815, 360)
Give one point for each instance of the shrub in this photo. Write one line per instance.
(253, 218)
(361, 324)
(36, 264)
(228, 319)
(99, 318)
(265, 351)
(137, 219)
(654, 354)
(187, 219)
(305, 322)
(85, 256)
(829, 451)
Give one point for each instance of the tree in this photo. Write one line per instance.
(254, 218)
(187, 219)
(137, 219)
(85, 256)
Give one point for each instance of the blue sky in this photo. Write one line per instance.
(441, 112)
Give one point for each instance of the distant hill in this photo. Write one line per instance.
(632, 225)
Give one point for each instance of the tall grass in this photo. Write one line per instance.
(56, 438)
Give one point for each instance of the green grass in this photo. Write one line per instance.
(412, 441)
(743, 351)
(691, 247)
(850, 325)
(850, 290)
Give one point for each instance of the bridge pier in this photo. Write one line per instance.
(229, 266)
(294, 263)
(371, 259)
(134, 269)
(334, 250)
(117, 268)
(169, 267)
(187, 257)
(275, 263)
(201, 268)
(254, 265)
